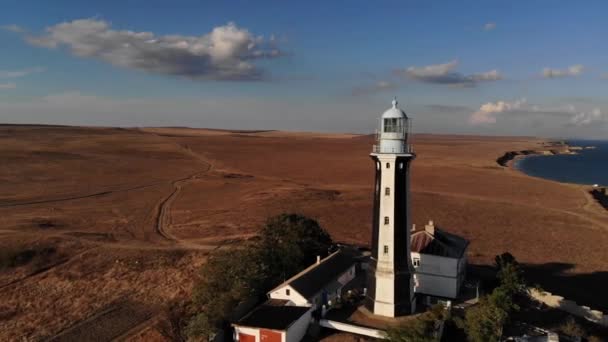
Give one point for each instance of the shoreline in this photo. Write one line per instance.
(510, 159)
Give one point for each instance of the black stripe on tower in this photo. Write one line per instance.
(401, 236)
(376, 212)
(371, 271)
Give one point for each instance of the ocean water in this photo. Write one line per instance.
(587, 167)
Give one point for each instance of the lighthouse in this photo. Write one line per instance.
(390, 290)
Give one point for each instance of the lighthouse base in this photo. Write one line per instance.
(390, 295)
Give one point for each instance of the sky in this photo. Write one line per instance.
(536, 68)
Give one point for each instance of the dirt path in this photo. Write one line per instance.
(76, 197)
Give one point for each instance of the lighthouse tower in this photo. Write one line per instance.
(390, 282)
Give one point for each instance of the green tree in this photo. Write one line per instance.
(421, 329)
(290, 242)
(287, 244)
(227, 278)
(484, 321)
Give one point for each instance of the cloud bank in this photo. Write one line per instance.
(566, 115)
(573, 70)
(225, 53)
(489, 26)
(593, 117)
(7, 86)
(20, 73)
(374, 88)
(445, 74)
(488, 111)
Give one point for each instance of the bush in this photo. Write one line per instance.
(13, 257)
(571, 328)
(421, 329)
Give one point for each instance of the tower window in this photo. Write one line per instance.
(387, 191)
(287, 292)
(385, 249)
(388, 165)
(416, 262)
(386, 220)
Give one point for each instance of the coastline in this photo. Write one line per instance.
(510, 160)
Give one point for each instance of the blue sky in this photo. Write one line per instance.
(472, 67)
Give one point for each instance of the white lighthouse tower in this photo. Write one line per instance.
(390, 282)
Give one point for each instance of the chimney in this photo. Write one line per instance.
(414, 227)
(318, 259)
(430, 228)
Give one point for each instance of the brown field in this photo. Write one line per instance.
(117, 221)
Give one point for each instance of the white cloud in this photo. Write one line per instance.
(564, 115)
(20, 73)
(573, 70)
(487, 112)
(592, 117)
(225, 53)
(489, 26)
(8, 86)
(374, 88)
(13, 28)
(445, 74)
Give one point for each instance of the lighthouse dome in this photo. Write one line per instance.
(394, 112)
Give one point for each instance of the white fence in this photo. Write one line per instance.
(569, 306)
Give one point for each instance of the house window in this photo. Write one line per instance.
(387, 191)
(385, 249)
(416, 262)
(388, 165)
(287, 292)
(386, 220)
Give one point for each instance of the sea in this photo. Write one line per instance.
(589, 166)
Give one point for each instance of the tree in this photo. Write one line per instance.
(421, 329)
(290, 242)
(227, 279)
(484, 322)
(287, 244)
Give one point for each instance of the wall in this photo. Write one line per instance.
(298, 329)
(569, 306)
(355, 329)
(436, 275)
(245, 330)
(294, 296)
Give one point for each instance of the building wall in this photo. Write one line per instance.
(390, 283)
(347, 276)
(315, 300)
(298, 329)
(294, 296)
(248, 331)
(437, 276)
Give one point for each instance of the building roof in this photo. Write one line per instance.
(435, 241)
(313, 279)
(272, 315)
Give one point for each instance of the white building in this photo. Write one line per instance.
(286, 315)
(318, 284)
(439, 260)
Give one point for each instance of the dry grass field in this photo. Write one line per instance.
(105, 226)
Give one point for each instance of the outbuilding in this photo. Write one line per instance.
(439, 260)
(273, 321)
